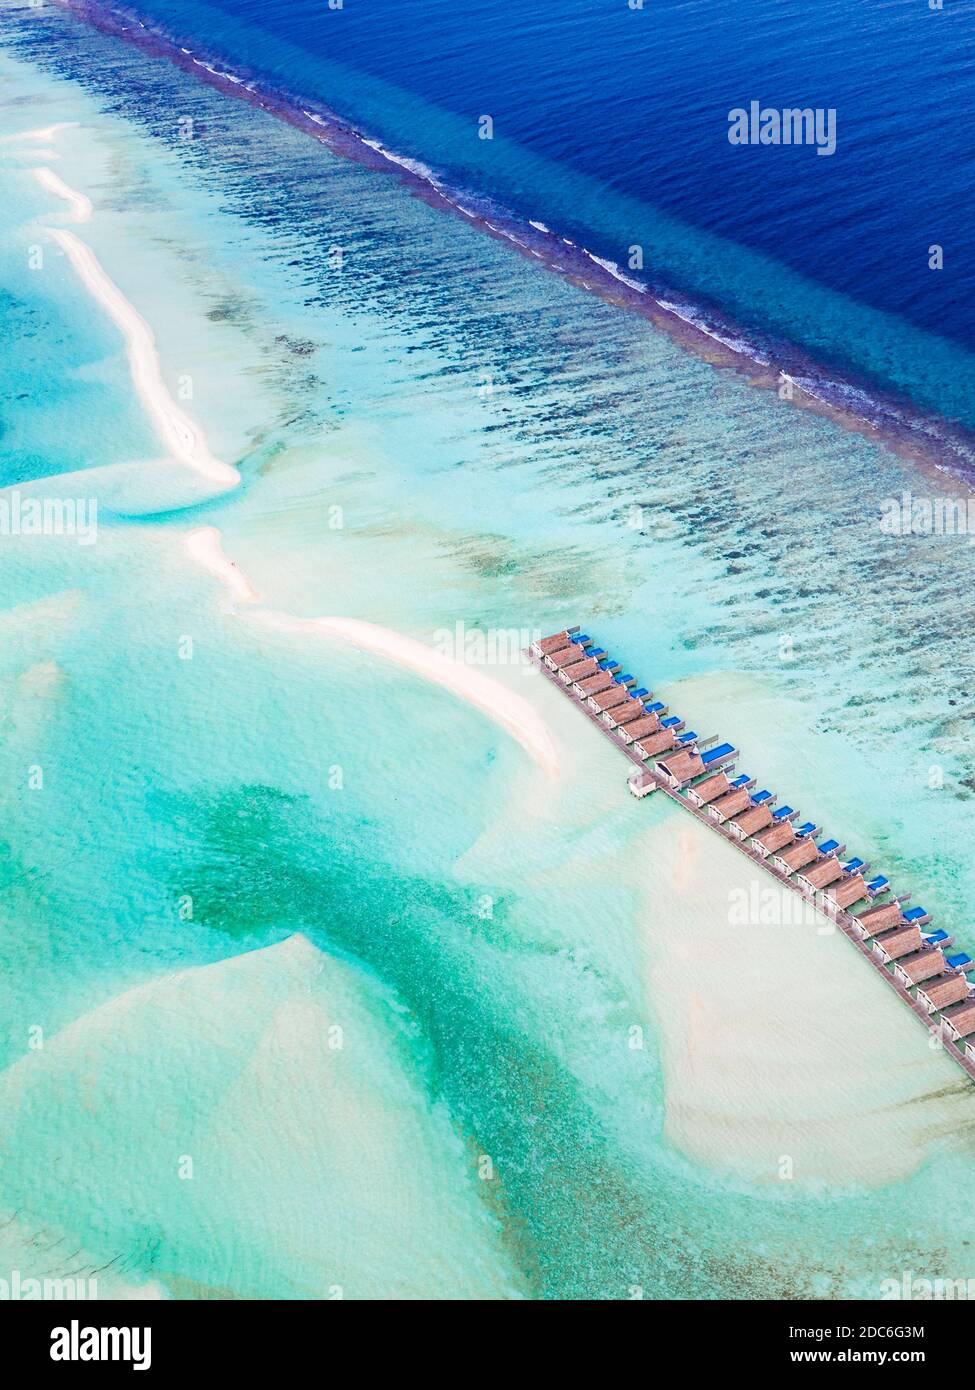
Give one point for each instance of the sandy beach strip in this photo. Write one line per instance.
(79, 204)
(509, 710)
(506, 708)
(181, 437)
(205, 548)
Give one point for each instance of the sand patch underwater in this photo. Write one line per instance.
(783, 1054)
(280, 1081)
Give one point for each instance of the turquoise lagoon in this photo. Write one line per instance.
(339, 994)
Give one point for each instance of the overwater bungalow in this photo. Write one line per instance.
(779, 835)
(958, 1021)
(796, 856)
(632, 708)
(718, 784)
(821, 875)
(844, 894)
(612, 695)
(877, 886)
(942, 990)
(639, 728)
(899, 941)
(649, 724)
(607, 675)
(574, 656)
(579, 670)
(878, 919)
(543, 645)
(746, 822)
(853, 868)
(826, 868)
(568, 655)
(731, 804)
(683, 767)
(917, 916)
(667, 737)
(923, 965)
(751, 821)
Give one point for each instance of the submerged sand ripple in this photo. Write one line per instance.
(255, 1122)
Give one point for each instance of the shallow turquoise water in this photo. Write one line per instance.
(426, 876)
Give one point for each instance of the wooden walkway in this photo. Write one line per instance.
(843, 920)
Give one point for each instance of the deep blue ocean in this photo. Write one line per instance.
(610, 124)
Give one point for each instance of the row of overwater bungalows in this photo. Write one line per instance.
(703, 771)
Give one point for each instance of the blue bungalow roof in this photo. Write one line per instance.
(913, 913)
(932, 938)
(655, 708)
(828, 847)
(958, 961)
(741, 781)
(783, 813)
(808, 829)
(670, 721)
(688, 738)
(877, 883)
(580, 637)
(759, 797)
(639, 694)
(853, 866)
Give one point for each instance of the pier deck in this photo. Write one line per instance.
(842, 919)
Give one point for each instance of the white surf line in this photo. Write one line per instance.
(512, 712)
(80, 205)
(205, 547)
(174, 426)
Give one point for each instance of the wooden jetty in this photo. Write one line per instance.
(884, 934)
